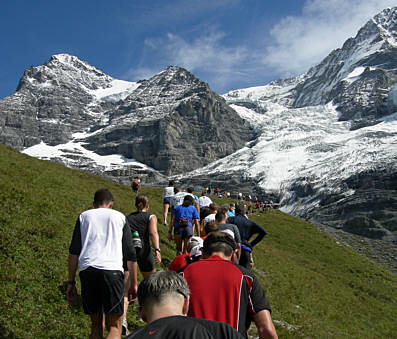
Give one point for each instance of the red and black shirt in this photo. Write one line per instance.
(223, 291)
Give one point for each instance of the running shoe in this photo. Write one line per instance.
(124, 327)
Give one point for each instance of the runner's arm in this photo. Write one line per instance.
(265, 326)
(129, 254)
(196, 222)
(196, 205)
(133, 270)
(74, 252)
(154, 237)
(256, 229)
(238, 250)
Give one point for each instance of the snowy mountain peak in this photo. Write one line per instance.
(175, 75)
(387, 19)
(381, 29)
(73, 61)
(64, 70)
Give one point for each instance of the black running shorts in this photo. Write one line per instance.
(102, 291)
(144, 258)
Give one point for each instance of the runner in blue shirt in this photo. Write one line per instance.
(184, 219)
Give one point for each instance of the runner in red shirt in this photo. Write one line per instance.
(223, 291)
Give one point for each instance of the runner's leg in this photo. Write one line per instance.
(113, 324)
(96, 326)
(165, 214)
(126, 288)
(178, 244)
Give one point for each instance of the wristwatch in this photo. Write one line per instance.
(157, 250)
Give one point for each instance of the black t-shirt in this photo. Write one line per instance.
(247, 229)
(139, 221)
(180, 327)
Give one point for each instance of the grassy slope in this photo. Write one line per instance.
(311, 281)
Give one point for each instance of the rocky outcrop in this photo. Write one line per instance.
(174, 123)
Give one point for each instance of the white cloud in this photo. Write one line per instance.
(141, 73)
(206, 55)
(300, 42)
(296, 44)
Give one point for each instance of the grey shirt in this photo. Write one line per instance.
(234, 229)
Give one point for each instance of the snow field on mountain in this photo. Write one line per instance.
(114, 161)
(307, 146)
(118, 90)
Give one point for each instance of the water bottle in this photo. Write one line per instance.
(136, 240)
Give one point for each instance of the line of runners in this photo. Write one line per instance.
(213, 256)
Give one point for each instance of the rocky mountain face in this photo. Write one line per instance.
(171, 123)
(50, 103)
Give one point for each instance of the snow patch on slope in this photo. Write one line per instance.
(72, 148)
(118, 90)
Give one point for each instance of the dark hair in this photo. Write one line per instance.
(161, 284)
(189, 190)
(240, 210)
(171, 183)
(141, 202)
(187, 201)
(103, 196)
(220, 216)
(213, 207)
(219, 242)
(211, 226)
(225, 208)
(177, 189)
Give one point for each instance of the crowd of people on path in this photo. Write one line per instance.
(208, 291)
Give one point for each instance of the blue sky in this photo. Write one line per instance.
(228, 43)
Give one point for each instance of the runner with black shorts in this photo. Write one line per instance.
(101, 239)
(146, 226)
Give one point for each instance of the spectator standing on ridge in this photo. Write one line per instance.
(224, 291)
(101, 239)
(135, 185)
(247, 229)
(163, 303)
(168, 192)
(145, 225)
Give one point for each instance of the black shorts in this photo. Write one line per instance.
(144, 258)
(102, 291)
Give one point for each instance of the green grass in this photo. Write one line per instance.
(326, 289)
